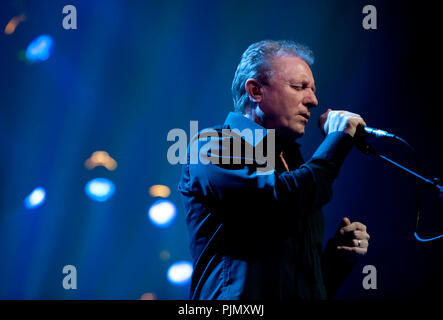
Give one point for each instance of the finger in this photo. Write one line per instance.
(360, 121)
(351, 114)
(346, 114)
(359, 226)
(322, 121)
(355, 234)
(355, 121)
(361, 251)
(363, 243)
(344, 222)
(354, 226)
(360, 235)
(325, 115)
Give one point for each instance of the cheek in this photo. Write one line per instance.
(282, 105)
(292, 100)
(292, 106)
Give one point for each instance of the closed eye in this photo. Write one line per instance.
(298, 87)
(301, 87)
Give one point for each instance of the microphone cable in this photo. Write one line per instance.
(366, 148)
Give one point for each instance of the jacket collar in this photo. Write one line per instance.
(238, 121)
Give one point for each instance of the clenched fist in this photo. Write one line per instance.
(352, 237)
(340, 120)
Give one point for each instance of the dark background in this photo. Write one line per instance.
(133, 70)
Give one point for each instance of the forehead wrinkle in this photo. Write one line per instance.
(298, 70)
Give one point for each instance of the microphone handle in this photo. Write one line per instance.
(360, 140)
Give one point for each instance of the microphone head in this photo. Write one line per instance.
(377, 132)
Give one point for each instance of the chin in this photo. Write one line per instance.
(297, 130)
(291, 133)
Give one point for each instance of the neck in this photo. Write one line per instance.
(256, 115)
(283, 136)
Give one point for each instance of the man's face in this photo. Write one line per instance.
(288, 96)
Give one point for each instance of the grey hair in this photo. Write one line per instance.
(255, 63)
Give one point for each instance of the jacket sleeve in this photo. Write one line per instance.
(336, 267)
(229, 188)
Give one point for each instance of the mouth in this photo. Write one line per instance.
(305, 116)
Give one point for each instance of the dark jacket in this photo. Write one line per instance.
(259, 236)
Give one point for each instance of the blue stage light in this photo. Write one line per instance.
(162, 213)
(40, 48)
(179, 273)
(35, 198)
(100, 189)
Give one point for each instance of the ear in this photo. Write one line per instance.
(254, 90)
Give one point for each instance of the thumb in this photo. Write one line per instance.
(322, 121)
(345, 222)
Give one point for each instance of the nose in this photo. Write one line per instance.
(310, 100)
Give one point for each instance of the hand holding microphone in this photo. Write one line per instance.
(340, 120)
(355, 126)
(351, 123)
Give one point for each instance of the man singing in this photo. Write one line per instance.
(257, 235)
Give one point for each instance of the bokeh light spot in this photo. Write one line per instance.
(159, 190)
(179, 273)
(100, 189)
(148, 296)
(40, 48)
(101, 158)
(162, 213)
(165, 255)
(36, 198)
(13, 24)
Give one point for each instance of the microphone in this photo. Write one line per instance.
(365, 131)
(360, 138)
(361, 133)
